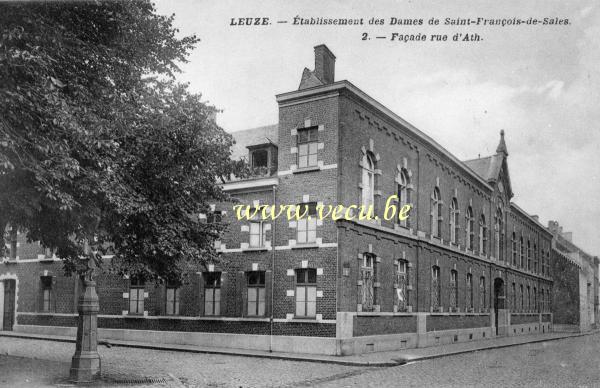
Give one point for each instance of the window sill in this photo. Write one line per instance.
(10, 261)
(306, 169)
(255, 249)
(305, 246)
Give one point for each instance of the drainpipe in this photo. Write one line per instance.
(272, 276)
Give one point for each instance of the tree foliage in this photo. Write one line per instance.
(98, 142)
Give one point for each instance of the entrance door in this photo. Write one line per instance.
(9, 305)
(498, 299)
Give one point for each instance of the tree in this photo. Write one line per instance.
(99, 143)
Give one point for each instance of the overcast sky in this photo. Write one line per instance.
(540, 84)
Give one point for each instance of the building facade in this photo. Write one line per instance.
(467, 264)
(575, 283)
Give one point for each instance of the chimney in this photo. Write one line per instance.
(568, 236)
(324, 64)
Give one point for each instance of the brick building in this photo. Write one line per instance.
(467, 264)
(575, 283)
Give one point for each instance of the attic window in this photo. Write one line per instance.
(260, 158)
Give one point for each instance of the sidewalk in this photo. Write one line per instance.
(378, 359)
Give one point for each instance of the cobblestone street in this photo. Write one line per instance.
(563, 363)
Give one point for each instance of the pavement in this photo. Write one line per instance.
(375, 359)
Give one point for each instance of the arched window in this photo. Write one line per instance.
(454, 222)
(367, 275)
(469, 292)
(499, 235)
(514, 249)
(535, 303)
(368, 181)
(521, 295)
(453, 290)
(482, 293)
(521, 253)
(403, 194)
(435, 288)
(535, 259)
(528, 298)
(470, 228)
(436, 213)
(528, 255)
(482, 235)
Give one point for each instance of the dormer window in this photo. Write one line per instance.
(260, 158)
(263, 159)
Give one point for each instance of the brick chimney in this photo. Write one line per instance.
(324, 64)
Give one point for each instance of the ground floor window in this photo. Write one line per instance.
(256, 293)
(46, 293)
(306, 292)
(212, 293)
(435, 288)
(172, 300)
(136, 296)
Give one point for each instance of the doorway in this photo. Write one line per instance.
(498, 299)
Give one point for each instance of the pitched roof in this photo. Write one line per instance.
(253, 136)
(488, 168)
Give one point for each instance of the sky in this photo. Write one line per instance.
(541, 84)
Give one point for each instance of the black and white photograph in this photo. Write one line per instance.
(399, 193)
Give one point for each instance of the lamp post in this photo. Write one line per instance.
(85, 365)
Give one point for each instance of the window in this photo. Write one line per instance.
(215, 217)
(307, 228)
(499, 235)
(514, 297)
(260, 159)
(521, 253)
(454, 221)
(548, 263)
(482, 235)
(435, 288)
(403, 195)
(542, 300)
(307, 147)
(172, 300)
(212, 293)
(535, 302)
(482, 293)
(46, 293)
(402, 283)
(528, 298)
(306, 292)
(436, 213)
(136, 296)
(514, 249)
(368, 181)
(521, 295)
(528, 255)
(256, 234)
(256, 293)
(11, 237)
(367, 277)
(535, 259)
(469, 291)
(453, 289)
(470, 229)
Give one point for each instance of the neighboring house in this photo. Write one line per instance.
(467, 264)
(575, 292)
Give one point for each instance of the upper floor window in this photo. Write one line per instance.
(307, 147)
(307, 228)
(256, 234)
(528, 255)
(499, 235)
(535, 259)
(454, 221)
(482, 235)
(212, 293)
(260, 158)
(514, 248)
(306, 292)
(436, 213)
(470, 228)
(521, 253)
(535, 300)
(528, 298)
(368, 181)
(214, 217)
(403, 194)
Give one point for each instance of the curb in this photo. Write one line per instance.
(393, 362)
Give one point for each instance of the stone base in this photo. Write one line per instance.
(85, 367)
